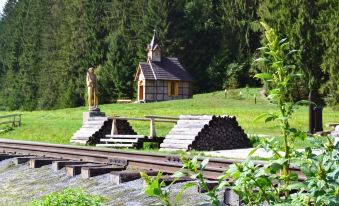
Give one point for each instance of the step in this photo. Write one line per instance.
(115, 145)
(181, 137)
(81, 136)
(193, 126)
(119, 140)
(86, 131)
(92, 126)
(90, 129)
(124, 136)
(97, 119)
(171, 149)
(185, 130)
(94, 122)
(193, 122)
(174, 146)
(193, 117)
(79, 141)
(175, 141)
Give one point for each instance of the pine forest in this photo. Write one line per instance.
(46, 46)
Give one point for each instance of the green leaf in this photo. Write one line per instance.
(282, 41)
(270, 118)
(261, 60)
(194, 176)
(222, 185)
(263, 76)
(263, 48)
(296, 186)
(252, 151)
(261, 116)
(293, 176)
(179, 174)
(292, 52)
(204, 163)
(274, 168)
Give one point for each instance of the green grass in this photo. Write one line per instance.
(57, 126)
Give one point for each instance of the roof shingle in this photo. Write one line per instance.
(167, 69)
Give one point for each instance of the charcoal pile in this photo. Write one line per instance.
(206, 133)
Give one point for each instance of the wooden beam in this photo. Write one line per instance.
(161, 117)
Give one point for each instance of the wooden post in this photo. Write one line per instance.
(13, 124)
(114, 127)
(152, 128)
(19, 120)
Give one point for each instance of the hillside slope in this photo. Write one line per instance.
(57, 126)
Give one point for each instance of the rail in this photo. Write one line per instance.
(150, 118)
(15, 121)
(135, 160)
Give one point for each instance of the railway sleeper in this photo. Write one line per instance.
(58, 165)
(39, 162)
(9, 156)
(168, 179)
(119, 177)
(87, 172)
(73, 170)
(23, 159)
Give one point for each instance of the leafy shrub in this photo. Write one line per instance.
(156, 188)
(69, 197)
(275, 182)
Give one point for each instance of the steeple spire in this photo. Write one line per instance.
(154, 42)
(154, 51)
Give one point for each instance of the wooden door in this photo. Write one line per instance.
(141, 93)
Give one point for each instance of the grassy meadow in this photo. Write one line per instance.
(57, 126)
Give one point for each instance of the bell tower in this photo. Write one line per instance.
(154, 50)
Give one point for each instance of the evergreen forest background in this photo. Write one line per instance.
(46, 46)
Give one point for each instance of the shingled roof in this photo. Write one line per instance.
(167, 69)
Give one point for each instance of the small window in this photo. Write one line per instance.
(173, 88)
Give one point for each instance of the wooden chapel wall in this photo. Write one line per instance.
(157, 90)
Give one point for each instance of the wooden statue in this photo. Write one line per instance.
(91, 81)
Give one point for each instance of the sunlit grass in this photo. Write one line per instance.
(57, 126)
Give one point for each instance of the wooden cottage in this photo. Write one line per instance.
(162, 78)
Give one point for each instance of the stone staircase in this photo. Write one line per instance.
(90, 127)
(122, 140)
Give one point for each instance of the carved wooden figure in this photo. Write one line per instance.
(92, 93)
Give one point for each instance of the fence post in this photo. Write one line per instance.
(114, 127)
(19, 120)
(152, 128)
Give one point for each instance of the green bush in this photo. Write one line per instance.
(69, 197)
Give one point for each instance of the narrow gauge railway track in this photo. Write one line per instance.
(133, 160)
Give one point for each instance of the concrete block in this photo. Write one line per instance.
(89, 114)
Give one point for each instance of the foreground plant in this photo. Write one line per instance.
(274, 181)
(70, 196)
(156, 188)
(192, 168)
